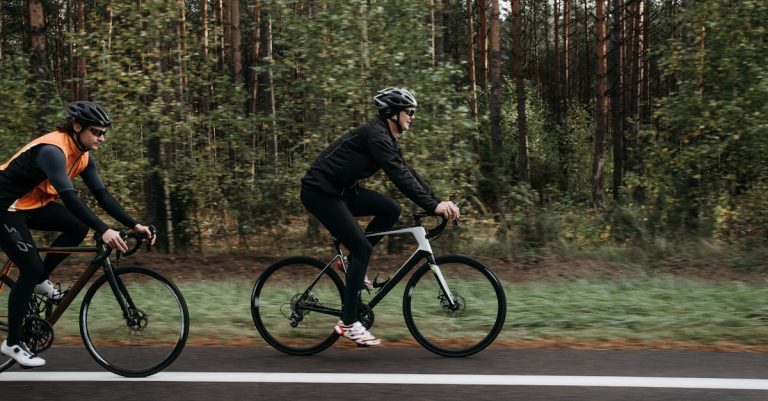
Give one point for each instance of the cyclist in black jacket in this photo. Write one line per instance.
(331, 191)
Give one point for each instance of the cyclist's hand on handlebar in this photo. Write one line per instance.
(113, 240)
(149, 234)
(448, 209)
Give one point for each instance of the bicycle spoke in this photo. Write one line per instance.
(466, 325)
(146, 338)
(290, 317)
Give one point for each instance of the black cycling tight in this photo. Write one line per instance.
(338, 216)
(16, 241)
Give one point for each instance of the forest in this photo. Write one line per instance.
(555, 123)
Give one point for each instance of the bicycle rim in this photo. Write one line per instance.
(151, 337)
(6, 283)
(278, 299)
(461, 329)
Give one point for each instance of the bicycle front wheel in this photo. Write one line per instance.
(146, 336)
(295, 303)
(464, 327)
(6, 284)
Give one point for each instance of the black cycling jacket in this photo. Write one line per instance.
(359, 154)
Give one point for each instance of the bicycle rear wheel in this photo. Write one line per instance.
(291, 314)
(149, 337)
(466, 327)
(6, 284)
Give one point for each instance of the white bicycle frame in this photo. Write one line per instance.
(424, 251)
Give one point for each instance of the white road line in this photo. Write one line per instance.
(377, 378)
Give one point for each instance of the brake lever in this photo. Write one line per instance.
(153, 230)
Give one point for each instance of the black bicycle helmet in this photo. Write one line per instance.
(89, 113)
(391, 100)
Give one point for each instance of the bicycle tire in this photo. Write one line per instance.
(147, 342)
(5, 361)
(476, 321)
(277, 297)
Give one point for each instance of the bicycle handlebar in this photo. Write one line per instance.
(138, 237)
(437, 231)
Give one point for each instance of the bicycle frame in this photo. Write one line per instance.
(424, 251)
(101, 260)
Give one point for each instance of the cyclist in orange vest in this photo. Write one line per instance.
(39, 173)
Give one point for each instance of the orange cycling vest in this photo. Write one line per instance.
(76, 162)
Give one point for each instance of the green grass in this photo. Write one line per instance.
(650, 310)
(639, 309)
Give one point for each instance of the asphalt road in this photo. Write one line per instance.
(387, 373)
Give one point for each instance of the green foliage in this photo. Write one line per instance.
(186, 152)
(714, 143)
(332, 59)
(747, 217)
(16, 113)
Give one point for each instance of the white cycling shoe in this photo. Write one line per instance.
(49, 290)
(357, 333)
(22, 355)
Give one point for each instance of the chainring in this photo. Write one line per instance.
(365, 315)
(37, 333)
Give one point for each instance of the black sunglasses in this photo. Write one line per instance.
(98, 132)
(410, 112)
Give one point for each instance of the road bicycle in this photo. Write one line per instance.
(133, 321)
(454, 306)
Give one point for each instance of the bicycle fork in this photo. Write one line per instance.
(122, 296)
(452, 304)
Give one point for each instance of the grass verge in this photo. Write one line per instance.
(653, 312)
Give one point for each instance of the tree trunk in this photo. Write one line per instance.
(438, 29)
(38, 56)
(433, 31)
(517, 62)
(268, 80)
(471, 55)
(617, 98)
(204, 35)
(2, 24)
(81, 89)
(365, 48)
(587, 88)
(566, 54)
(563, 148)
(494, 76)
(535, 48)
(636, 61)
(557, 91)
(601, 104)
(237, 55)
(226, 25)
(217, 7)
(645, 110)
(256, 52)
(110, 26)
(627, 64)
(482, 42)
(170, 232)
(181, 46)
